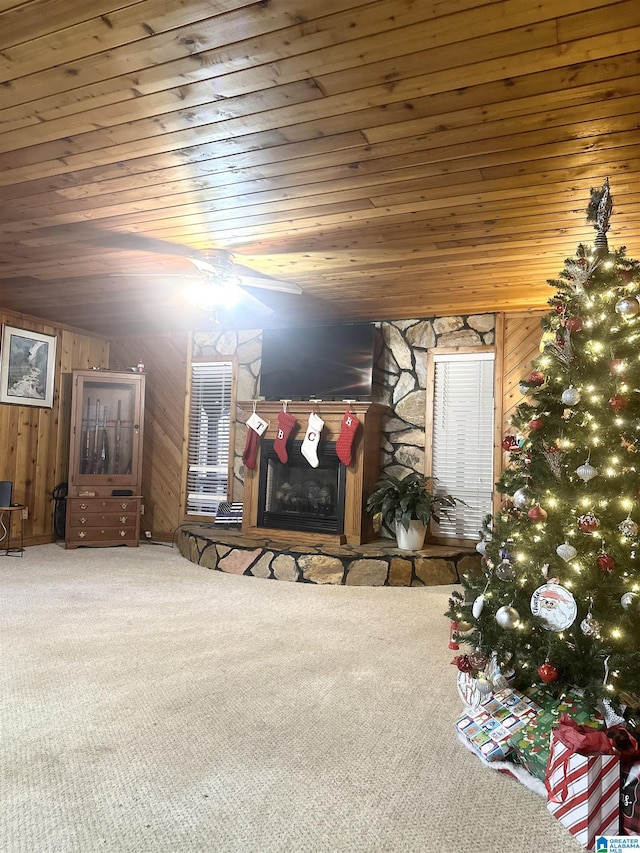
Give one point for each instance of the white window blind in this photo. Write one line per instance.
(462, 441)
(209, 436)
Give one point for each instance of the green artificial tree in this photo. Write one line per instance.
(558, 600)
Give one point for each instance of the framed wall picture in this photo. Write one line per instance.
(27, 367)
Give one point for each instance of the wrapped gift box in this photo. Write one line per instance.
(490, 728)
(583, 788)
(531, 743)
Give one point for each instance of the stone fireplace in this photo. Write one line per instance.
(303, 504)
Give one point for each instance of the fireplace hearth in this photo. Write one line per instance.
(296, 496)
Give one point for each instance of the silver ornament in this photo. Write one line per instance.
(628, 528)
(507, 616)
(505, 571)
(524, 389)
(586, 472)
(571, 396)
(523, 498)
(627, 599)
(478, 606)
(481, 547)
(566, 552)
(628, 306)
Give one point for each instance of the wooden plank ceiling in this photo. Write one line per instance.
(396, 158)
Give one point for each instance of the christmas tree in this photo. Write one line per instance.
(558, 600)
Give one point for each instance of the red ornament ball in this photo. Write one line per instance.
(606, 563)
(560, 308)
(618, 402)
(535, 378)
(537, 514)
(510, 443)
(463, 663)
(588, 522)
(536, 424)
(626, 276)
(548, 673)
(574, 324)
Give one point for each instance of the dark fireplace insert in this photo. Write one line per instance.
(297, 496)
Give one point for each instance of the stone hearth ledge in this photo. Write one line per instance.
(378, 563)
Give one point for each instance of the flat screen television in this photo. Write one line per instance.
(327, 362)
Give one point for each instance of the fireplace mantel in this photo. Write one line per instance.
(361, 474)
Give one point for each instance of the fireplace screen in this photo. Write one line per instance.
(296, 496)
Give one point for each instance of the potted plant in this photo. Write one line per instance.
(407, 506)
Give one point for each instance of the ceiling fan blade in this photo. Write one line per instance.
(212, 262)
(253, 278)
(219, 261)
(254, 304)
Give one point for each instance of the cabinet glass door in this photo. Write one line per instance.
(109, 431)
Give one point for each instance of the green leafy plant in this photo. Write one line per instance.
(399, 501)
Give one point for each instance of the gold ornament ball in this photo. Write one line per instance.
(464, 626)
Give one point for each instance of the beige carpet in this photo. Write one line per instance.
(149, 704)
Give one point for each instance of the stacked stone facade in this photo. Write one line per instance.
(399, 379)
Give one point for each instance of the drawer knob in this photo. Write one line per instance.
(83, 520)
(82, 534)
(123, 519)
(124, 504)
(123, 533)
(84, 506)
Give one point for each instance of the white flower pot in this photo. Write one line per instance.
(413, 538)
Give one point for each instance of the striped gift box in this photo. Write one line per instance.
(583, 792)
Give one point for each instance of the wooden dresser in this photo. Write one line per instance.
(98, 521)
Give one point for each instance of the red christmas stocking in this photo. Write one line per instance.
(348, 430)
(250, 452)
(286, 423)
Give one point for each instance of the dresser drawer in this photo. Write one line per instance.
(102, 519)
(93, 535)
(104, 505)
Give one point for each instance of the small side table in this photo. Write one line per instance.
(6, 528)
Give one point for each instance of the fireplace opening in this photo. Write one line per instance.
(296, 496)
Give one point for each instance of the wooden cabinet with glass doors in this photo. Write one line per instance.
(105, 459)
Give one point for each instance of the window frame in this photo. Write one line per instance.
(432, 353)
(190, 515)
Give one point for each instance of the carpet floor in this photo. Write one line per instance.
(152, 706)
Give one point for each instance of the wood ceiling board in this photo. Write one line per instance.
(362, 149)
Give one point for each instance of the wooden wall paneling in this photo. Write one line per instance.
(498, 404)
(35, 439)
(521, 345)
(166, 360)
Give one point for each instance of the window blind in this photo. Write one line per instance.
(209, 436)
(462, 441)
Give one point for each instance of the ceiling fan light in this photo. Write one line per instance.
(208, 295)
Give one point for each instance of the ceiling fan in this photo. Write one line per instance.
(224, 280)
(221, 282)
